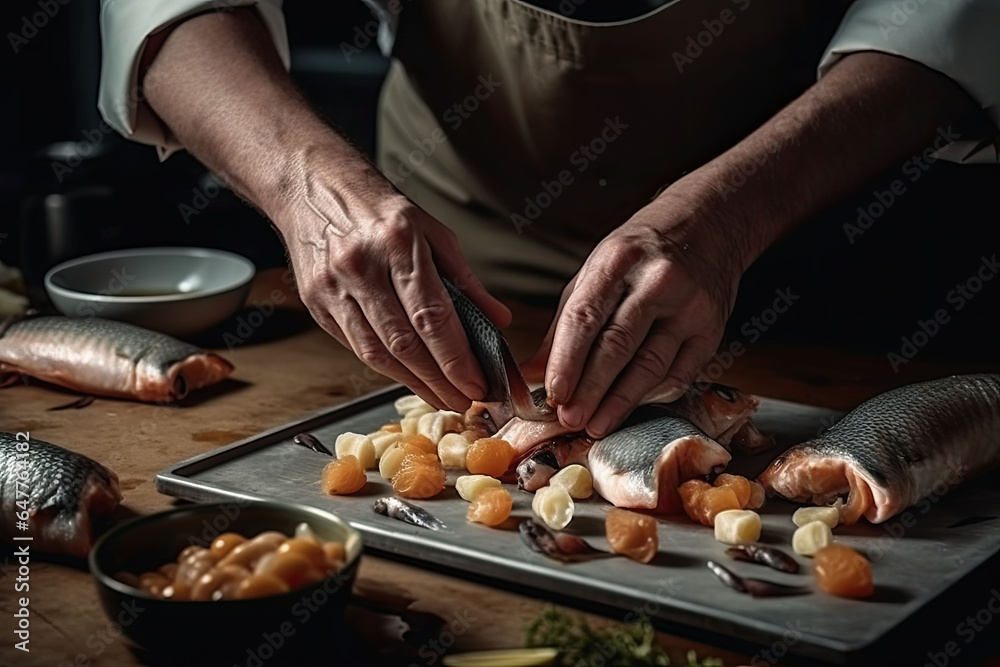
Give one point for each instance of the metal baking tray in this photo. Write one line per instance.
(913, 563)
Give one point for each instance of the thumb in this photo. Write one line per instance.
(451, 262)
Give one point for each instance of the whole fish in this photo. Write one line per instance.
(896, 449)
(58, 491)
(394, 508)
(641, 466)
(107, 358)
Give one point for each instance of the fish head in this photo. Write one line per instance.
(720, 411)
(536, 470)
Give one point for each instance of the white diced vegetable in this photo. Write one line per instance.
(452, 450)
(383, 440)
(811, 537)
(737, 526)
(575, 479)
(408, 425)
(806, 515)
(553, 506)
(435, 424)
(470, 486)
(391, 459)
(356, 444)
(405, 404)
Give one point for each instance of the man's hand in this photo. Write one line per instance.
(647, 308)
(650, 303)
(367, 268)
(366, 259)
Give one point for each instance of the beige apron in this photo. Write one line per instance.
(533, 135)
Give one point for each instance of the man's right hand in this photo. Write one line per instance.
(366, 259)
(367, 263)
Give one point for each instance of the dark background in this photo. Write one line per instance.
(865, 295)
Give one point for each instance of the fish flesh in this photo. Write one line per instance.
(758, 588)
(562, 547)
(107, 358)
(641, 466)
(776, 559)
(535, 470)
(55, 492)
(394, 508)
(896, 449)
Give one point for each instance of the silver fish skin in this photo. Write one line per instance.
(394, 508)
(642, 465)
(108, 358)
(62, 492)
(506, 389)
(896, 449)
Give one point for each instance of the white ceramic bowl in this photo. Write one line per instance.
(179, 291)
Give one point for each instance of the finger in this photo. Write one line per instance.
(541, 357)
(448, 257)
(360, 337)
(651, 363)
(690, 359)
(391, 324)
(430, 311)
(612, 351)
(594, 297)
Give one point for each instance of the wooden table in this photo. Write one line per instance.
(279, 378)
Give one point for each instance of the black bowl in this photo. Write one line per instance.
(225, 629)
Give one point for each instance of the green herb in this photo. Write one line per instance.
(619, 645)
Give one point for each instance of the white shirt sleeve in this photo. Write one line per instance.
(125, 28)
(958, 38)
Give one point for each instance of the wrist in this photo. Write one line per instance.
(703, 215)
(323, 181)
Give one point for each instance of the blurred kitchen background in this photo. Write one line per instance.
(863, 295)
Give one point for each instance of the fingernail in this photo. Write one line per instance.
(671, 395)
(599, 426)
(571, 416)
(474, 391)
(557, 389)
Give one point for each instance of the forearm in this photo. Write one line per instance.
(218, 84)
(869, 113)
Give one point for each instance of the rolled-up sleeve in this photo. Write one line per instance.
(958, 38)
(126, 26)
